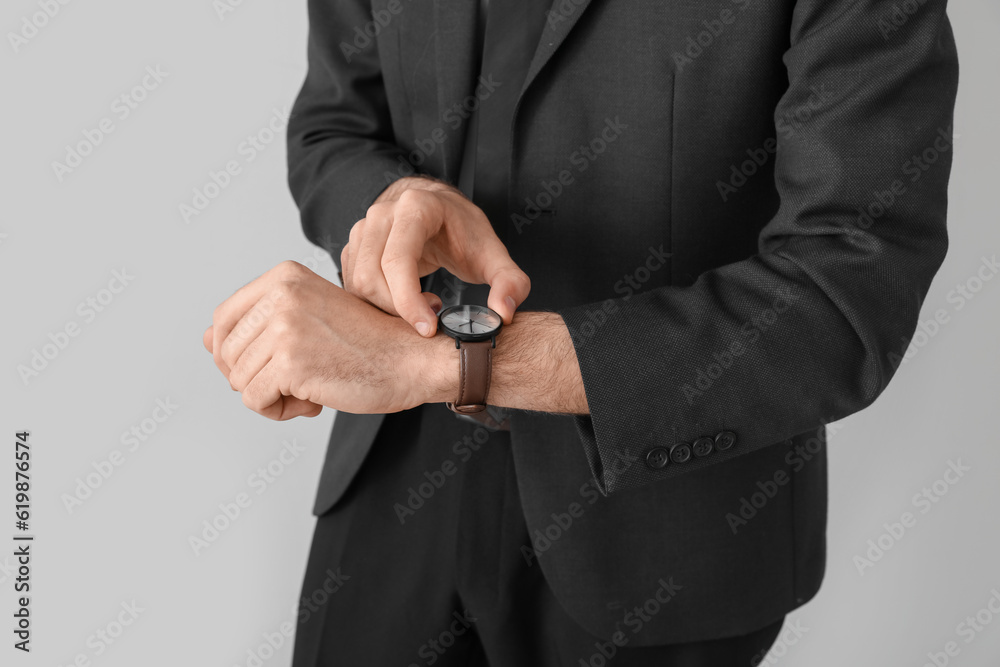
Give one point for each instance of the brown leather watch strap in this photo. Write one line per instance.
(475, 371)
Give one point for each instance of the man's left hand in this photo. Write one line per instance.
(292, 342)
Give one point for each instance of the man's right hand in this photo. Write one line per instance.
(416, 226)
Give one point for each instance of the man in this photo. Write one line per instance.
(730, 212)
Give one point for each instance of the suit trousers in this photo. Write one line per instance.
(426, 561)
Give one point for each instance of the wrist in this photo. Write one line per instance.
(534, 367)
(434, 367)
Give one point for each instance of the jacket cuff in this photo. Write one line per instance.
(628, 438)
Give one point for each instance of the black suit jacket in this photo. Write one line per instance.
(736, 206)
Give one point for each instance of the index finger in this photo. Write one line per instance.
(400, 266)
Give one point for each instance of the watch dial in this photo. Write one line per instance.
(470, 322)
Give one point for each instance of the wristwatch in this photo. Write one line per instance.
(474, 329)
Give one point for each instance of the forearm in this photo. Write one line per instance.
(534, 367)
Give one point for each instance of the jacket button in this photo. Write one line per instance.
(724, 440)
(657, 458)
(680, 453)
(703, 446)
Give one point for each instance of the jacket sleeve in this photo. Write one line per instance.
(811, 328)
(340, 140)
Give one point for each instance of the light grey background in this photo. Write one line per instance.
(226, 75)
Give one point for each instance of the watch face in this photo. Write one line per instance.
(470, 323)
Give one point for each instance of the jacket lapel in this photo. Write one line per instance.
(455, 25)
(561, 19)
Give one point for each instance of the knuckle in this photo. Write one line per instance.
(479, 214)
(414, 215)
(413, 197)
(357, 231)
(283, 324)
(290, 268)
(361, 277)
(364, 278)
(376, 211)
(254, 319)
(284, 359)
(367, 290)
(217, 315)
(237, 379)
(227, 351)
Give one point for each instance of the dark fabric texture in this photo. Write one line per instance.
(737, 208)
(448, 585)
(804, 328)
(512, 31)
